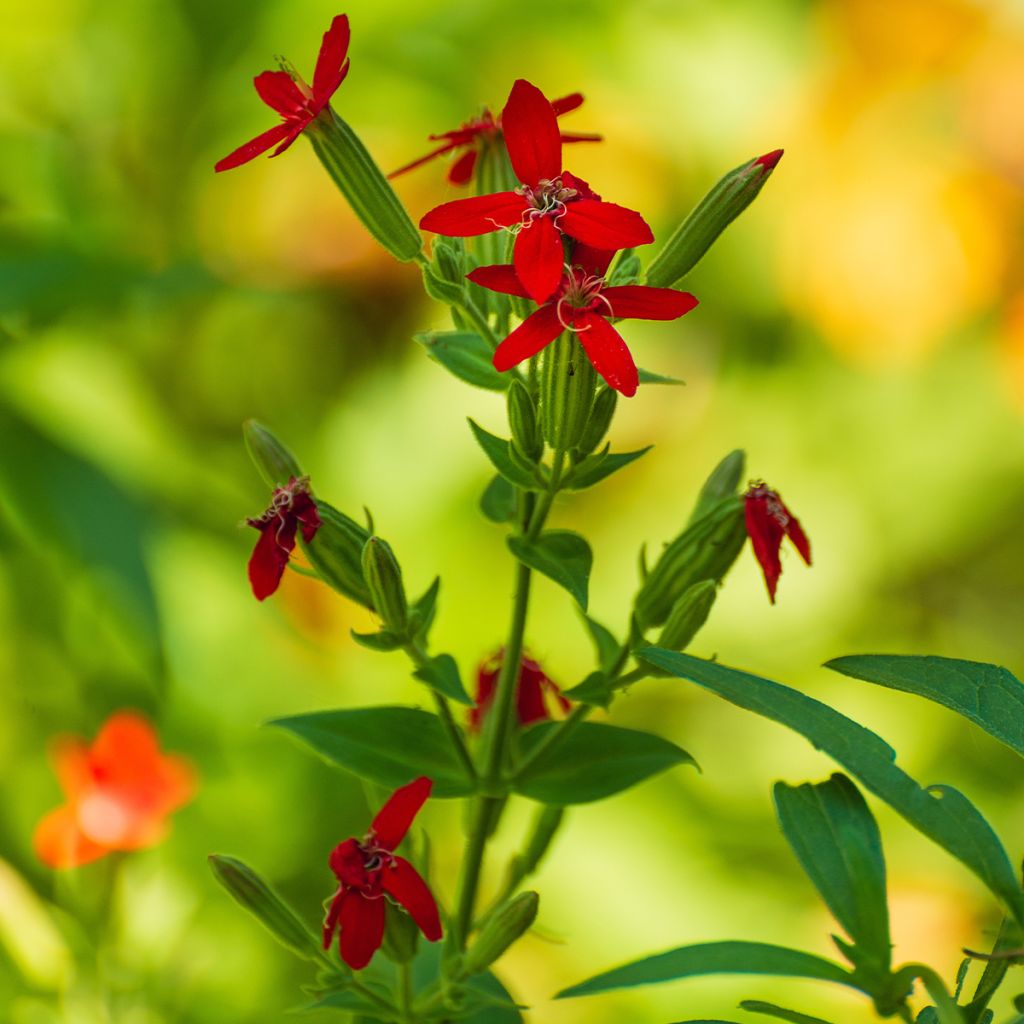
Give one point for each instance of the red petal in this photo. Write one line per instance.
(395, 817)
(362, 929)
(591, 260)
(796, 534)
(403, 882)
(270, 556)
(538, 257)
(60, 843)
(499, 277)
(643, 303)
(530, 706)
(305, 511)
(477, 215)
(537, 330)
(254, 147)
(581, 137)
(461, 172)
(331, 917)
(566, 103)
(531, 134)
(331, 59)
(765, 532)
(432, 155)
(605, 225)
(608, 352)
(280, 93)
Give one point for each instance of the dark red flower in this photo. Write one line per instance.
(296, 102)
(582, 303)
(369, 873)
(532, 689)
(473, 136)
(291, 506)
(768, 521)
(548, 204)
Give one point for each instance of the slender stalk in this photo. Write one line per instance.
(405, 992)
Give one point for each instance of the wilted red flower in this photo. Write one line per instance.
(290, 507)
(119, 793)
(474, 135)
(532, 690)
(293, 99)
(550, 202)
(582, 303)
(369, 872)
(768, 521)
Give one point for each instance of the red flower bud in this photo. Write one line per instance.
(768, 521)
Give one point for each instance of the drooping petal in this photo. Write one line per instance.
(268, 562)
(402, 881)
(537, 330)
(795, 532)
(531, 134)
(538, 258)
(254, 147)
(305, 511)
(432, 155)
(297, 129)
(499, 277)
(280, 93)
(331, 917)
(642, 303)
(331, 58)
(766, 533)
(530, 706)
(461, 172)
(477, 215)
(608, 352)
(566, 103)
(604, 225)
(395, 817)
(590, 260)
(60, 843)
(581, 137)
(362, 929)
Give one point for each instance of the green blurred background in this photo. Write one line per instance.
(860, 333)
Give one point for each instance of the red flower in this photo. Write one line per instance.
(550, 202)
(532, 689)
(473, 136)
(290, 507)
(582, 303)
(293, 99)
(368, 872)
(768, 521)
(119, 793)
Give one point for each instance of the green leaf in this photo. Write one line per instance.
(988, 695)
(442, 674)
(946, 1009)
(497, 451)
(384, 640)
(562, 556)
(647, 377)
(941, 813)
(466, 355)
(387, 745)
(714, 958)
(498, 502)
(594, 468)
(605, 645)
(592, 761)
(596, 689)
(424, 609)
(771, 1010)
(837, 841)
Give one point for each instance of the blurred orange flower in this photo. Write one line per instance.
(119, 793)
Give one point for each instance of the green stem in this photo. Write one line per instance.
(405, 993)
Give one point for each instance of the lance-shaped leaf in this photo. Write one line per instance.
(940, 812)
(714, 958)
(771, 1010)
(498, 502)
(605, 645)
(562, 556)
(442, 674)
(497, 451)
(592, 761)
(387, 745)
(466, 355)
(595, 468)
(988, 695)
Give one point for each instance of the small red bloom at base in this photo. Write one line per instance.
(369, 872)
(532, 689)
(291, 507)
(120, 791)
(296, 102)
(768, 521)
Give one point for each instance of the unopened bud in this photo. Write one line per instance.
(444, 277)
(275, 463)
(336, 552)
(384, 578)
(712, 215)
(523, 420)
(567, 383)
(688, 614)
(600, 420)
(722, 483)
(509, 922)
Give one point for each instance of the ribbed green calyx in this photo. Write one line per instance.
(688, 614)
(600, 420)
(510, 921)
(364, 186)
(384, 578)
(567, 383)
(275, 463)
(522, 419)
(336, 552)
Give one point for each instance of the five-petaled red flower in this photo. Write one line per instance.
(582, 303)
(532, 689)
(291, 506)
(369, 872)
(768, 521)
(473, 136)
(548, 204)
(293, 99)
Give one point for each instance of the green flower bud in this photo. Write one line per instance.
(722, 483)
(567, 384)
(600, 420)
(384, 578)
(523, 420)
(275, 463)
(400, 934)
(251, 892)
(712, 215)
(510, 921)
(688, 614)
(361, 182)
(336, 552)
(444, 278)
